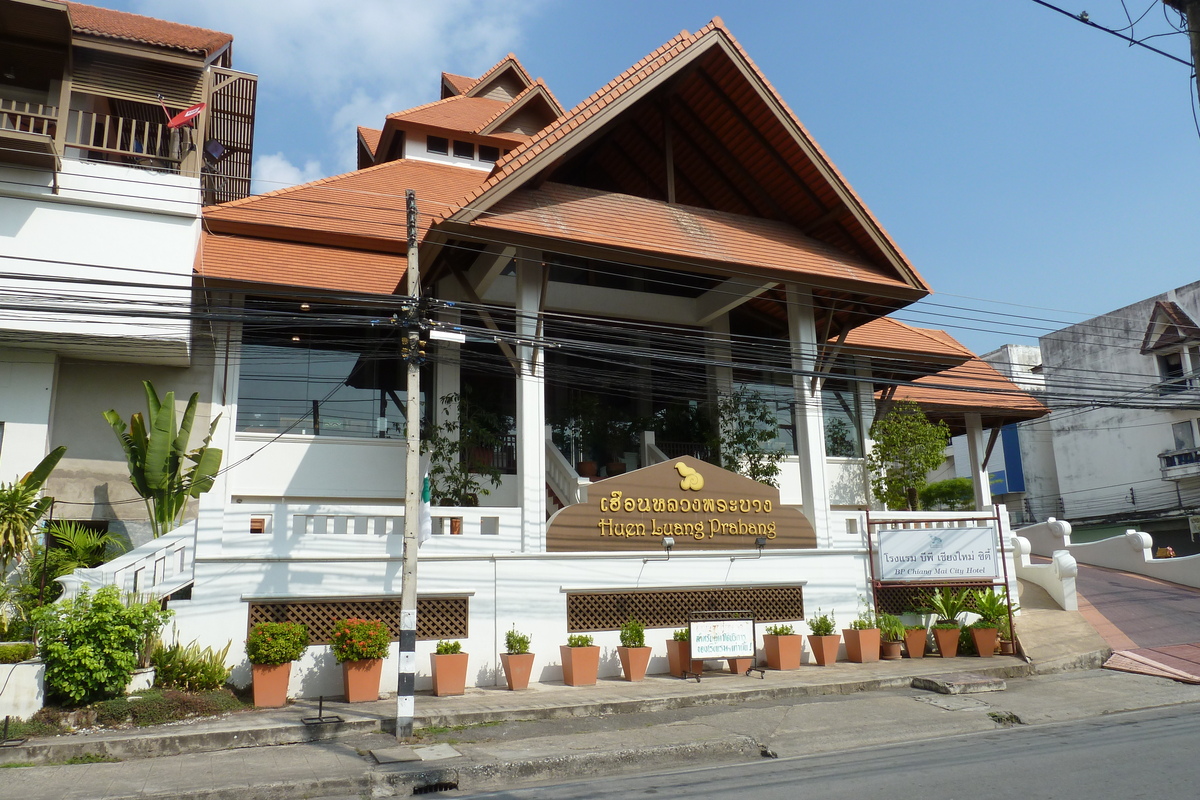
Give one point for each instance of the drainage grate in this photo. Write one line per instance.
(435, 787)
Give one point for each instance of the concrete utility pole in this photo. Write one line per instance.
(412, 490)
(1191, 10)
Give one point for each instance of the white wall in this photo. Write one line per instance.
(26, 394)
(125, 241)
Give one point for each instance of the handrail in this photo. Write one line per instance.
(133, 138)
(563, 480)
(155, 569)
(18, 115)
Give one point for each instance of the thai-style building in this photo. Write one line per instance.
(600, 283)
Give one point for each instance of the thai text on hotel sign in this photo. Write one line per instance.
(616, 502)
(726, 638)
(937, 553)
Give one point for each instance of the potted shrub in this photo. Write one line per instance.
(862, 638)
(679, 654)
(991, 608)
(448, 665)
(947, 607)
(516, 660)
(271, 648)
(891, 634)
(823, 638)
(782, 646)
(360, 645)
(916, 638)
(580, 660)
(1006, 638)
(634, 654)
(455, 446)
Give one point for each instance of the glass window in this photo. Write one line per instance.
(843, 419)
(437, 144)
(781, 399)
(1170, 368)
(464, 150)
(489, 154)
(1184, 435)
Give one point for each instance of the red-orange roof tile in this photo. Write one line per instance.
(147, 30)
(461, 83)
(891, 335)
(367, 203)
(692, 235)
(977, 387)
(453, 113)
(370, 137)
(266, 261)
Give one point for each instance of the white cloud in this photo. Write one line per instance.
(325, 67)
(276, 172)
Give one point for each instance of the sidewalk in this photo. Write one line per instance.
(576, 731)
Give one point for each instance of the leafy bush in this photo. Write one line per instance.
(948, 605)
(448, 648)
(822, 624)
(158, 707)
(515, 643)
(954, 494)
(633, 633)
(16, 653)
(356, 639)
(780, 630)
(682, 635)
(580, 640)
(190, 668)
(91, 644)
(272, 643)
(891, 628)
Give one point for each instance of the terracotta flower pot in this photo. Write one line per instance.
(890, 651)
(824, 648)
(634, 661)
(587, 469)
(679, 659)
(271, 684)
(738, 666)
(946, 640)
(985, 641)
(517, 668)
(449, 673)
(580, 664)
(1006, 647)
(360, 679)
(861, 646)
(915, 640)
(783, 652)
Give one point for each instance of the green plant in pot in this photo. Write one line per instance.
(992, 607)
(271, 648)
(580, 660)
(947, 606)
(455, 444)
(634, 655)
(679, 654)
(891, 634)
(823, 637)
(448, 667)
(360, 645)
(862, 637)
(782, 646)
(516, 660)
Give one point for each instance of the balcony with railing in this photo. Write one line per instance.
(27, 133)
(1177, 465)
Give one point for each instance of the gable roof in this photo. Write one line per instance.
(819, 201)
(455, 84)
(452, 113)
(1169, 325)
(972, 387)
(509, 66)
(129, 27)
(369, 138)
(537, 94)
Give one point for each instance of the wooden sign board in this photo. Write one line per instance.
(699, 505)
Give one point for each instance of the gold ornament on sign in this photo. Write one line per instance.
(692, 480)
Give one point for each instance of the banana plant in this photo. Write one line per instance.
(21, 508)
(156, 451)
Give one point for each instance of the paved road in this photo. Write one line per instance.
(1140, 611)
(1146, 754)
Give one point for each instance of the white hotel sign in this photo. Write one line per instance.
(937, 554)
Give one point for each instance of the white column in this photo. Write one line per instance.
(719, 350)
(447, 375)
(531, 405)
(810, 423)
(979, 476)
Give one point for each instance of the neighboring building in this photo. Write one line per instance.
(99, 221)
(614, 269)
(1124, 390)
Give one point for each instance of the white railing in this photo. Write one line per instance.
(155, 569)
(562, 478)
(651, 454)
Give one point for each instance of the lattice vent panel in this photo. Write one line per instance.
(904, 598)
(672, 609)
(437, 617)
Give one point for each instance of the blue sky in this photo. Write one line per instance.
(1027, 164)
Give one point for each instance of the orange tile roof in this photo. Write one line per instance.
(147, 30)
(689, 234)
(975, 386)
(461, 83)
(500, 66)
(267, 261)
(538, 89)
(891, 335)
(368, 203)
(549, 136)
(453, 113)
(370, 137)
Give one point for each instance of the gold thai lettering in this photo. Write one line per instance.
(709, 505)
(630, 504)
(672, 505)
(643, 504)
(612, 503)
(659, 505)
